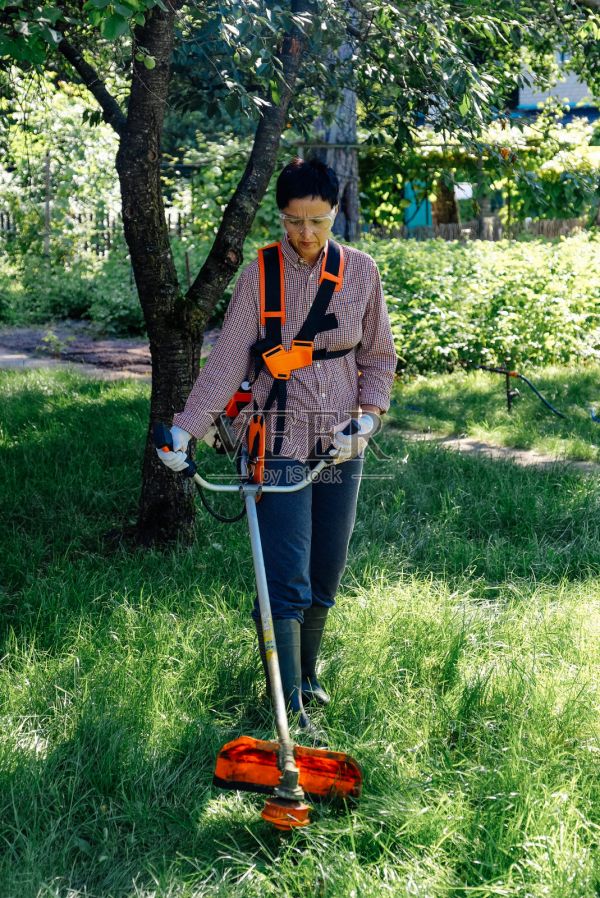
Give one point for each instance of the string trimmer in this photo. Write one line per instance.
(291, 775)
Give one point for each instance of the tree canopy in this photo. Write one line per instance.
(452, 63)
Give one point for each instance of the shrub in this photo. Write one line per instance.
(536, 301)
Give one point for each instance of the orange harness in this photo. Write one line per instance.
(270, 352)
(280, 361)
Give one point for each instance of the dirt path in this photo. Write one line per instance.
(526, 458)
(74, 344)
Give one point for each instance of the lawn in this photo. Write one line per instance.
(474, 403)
(463, 660)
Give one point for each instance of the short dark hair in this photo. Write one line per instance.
(301, 178)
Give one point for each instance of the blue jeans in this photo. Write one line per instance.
(305, 535)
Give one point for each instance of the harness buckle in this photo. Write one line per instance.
(336, 278)
(282, 362)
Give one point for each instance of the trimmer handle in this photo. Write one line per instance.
(351, 428)
(161, 435)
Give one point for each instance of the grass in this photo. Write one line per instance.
(463, 659)
(474, 404)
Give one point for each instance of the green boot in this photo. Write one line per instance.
(287, 638)
(311, 635)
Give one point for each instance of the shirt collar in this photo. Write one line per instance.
(292, 256)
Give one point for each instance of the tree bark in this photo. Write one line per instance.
(342, 157)
(166, 507)
(445, 209)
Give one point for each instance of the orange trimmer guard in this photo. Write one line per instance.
(251, 765)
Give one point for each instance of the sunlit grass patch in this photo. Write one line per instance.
(474, 404)
(463, 659)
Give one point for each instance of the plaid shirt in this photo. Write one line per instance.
(321, 395)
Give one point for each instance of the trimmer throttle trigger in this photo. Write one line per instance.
(163, 440)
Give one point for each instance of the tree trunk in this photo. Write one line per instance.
(445, 208)
(175, 322)
(342, 155)
(166, 506)
(343, 159)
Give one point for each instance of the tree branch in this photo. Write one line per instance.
(111, 111)
(226, 254)
(591, 4)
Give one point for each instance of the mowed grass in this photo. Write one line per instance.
(463, 660)
(474, 404)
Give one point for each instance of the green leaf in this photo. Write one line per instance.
(465, 104)
(51, 36)
(51, 14)
(231, 103)
(113, 27)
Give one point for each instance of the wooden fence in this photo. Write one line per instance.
(491, 228)
(99, 234)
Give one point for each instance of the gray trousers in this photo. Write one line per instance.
(305, 535)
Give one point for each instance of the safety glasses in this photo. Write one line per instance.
(320, 221)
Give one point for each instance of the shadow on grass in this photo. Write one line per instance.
(105, 810)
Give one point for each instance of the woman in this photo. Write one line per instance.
(304, 534)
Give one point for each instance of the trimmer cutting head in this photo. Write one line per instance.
(252, 765)
(285, 815)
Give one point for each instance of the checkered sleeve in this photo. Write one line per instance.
(376, 356)
(229, 361)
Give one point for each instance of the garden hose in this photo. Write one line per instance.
(508, 373)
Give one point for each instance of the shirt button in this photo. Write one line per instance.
(318, 364)
(323, 395)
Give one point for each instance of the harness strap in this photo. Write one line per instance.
(271, 280)
(272, 317)
(317, 319)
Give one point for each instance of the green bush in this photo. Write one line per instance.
(535, 301)
(92, 287)
(101, 289)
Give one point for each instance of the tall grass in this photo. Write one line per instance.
(462, 658)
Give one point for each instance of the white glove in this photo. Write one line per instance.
(349, 445)
(177, 459)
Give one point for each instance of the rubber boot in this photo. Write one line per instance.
(315, 618)
(287, 637)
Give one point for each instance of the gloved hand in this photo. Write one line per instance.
(177, 459)
(349, 445)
